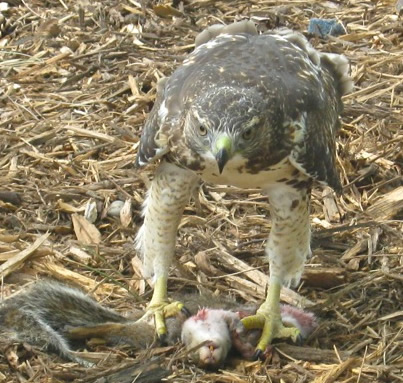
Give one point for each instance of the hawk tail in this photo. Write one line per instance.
(340, 69)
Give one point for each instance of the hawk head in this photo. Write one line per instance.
(228, 121)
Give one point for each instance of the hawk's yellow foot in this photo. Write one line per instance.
(268, 318)
(160, 307)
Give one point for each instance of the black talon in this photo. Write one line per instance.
(186, 312)
(163, 339)
(258, 355)
(300, 340)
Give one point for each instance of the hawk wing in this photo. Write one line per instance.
(315, 155)
(149, 150)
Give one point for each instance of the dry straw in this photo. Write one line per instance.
(76, 82)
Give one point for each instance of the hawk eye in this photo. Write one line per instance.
(202, 130)
(247, 134)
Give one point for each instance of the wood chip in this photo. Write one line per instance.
(388, 205)
(17, 261)
(78, 79)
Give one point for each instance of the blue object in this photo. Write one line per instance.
(324, 27)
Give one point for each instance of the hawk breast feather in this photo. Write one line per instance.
(292, 78)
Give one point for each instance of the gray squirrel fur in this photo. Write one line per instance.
(53, 316)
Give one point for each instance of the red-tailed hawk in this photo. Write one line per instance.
(251, 111)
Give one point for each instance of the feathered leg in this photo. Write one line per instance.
(288, 246)
(163, 208)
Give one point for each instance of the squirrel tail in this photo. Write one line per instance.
(28, 327)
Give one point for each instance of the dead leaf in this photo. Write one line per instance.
(85, 231)
(126, 213)
(66, 207)
(166, 11)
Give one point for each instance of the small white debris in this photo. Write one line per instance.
(115, 208)
(3, 6)
(91, 212)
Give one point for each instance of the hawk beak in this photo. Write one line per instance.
(222, 158)
(223, 152)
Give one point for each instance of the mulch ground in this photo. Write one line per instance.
(77, 80)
